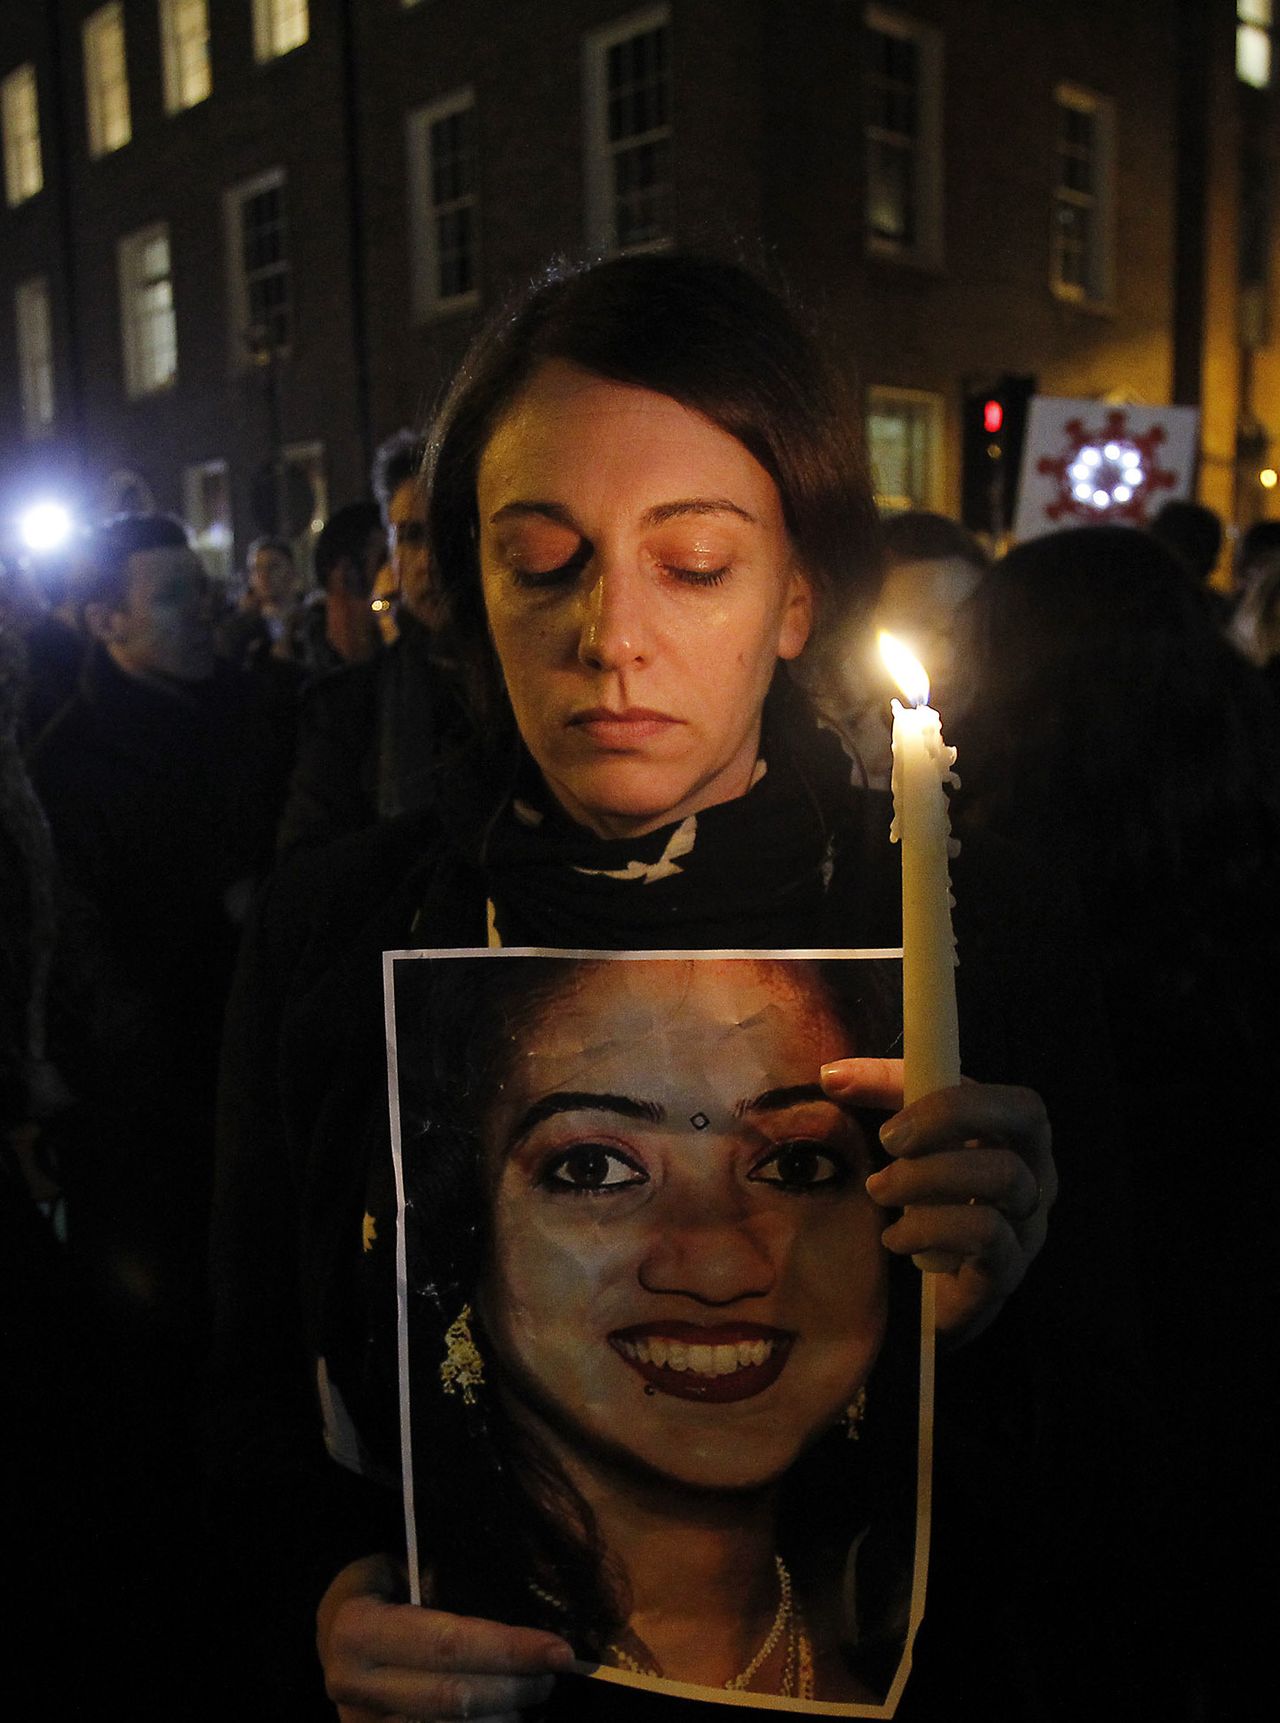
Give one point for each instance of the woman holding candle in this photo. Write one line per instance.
(651, 521)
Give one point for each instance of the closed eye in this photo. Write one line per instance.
(557, 575)
(697, 576)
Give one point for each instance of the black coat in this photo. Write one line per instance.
(370, 739)
(1034, 1419)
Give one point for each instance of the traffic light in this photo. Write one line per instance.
(995, 424)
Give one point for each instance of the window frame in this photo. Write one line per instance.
(926, 250)
(1098, 291)
(138, 320)
(213, 540)
(172, 44)
(103, 26)
(268, 43)
(37, 383)
(599, 153)
(428, 300)
(239, 297)
(931, 409)
(23, 150)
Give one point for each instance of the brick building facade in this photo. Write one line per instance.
(255, 235)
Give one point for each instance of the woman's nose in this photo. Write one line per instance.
(615, 629)
(714, 1254)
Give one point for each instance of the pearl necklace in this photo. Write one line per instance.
(797, 1672)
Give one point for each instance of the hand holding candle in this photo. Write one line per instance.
(971, 1170)
(922, 765)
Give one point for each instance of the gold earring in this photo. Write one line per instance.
(463, 1369)
(854, 1413)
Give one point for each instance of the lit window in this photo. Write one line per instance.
(627, 74)
(1253, 43)
(148, 326)
(444, 206)
(279, 26)
(1081, 263)
(184, 33)
(258, 269)
(106, 81)
(19, 107)
(904, 446)
(35, 356)
(303, 496)
(206, 500)
(903, 97)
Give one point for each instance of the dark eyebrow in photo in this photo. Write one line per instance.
(584, 1101)
(774, 1100)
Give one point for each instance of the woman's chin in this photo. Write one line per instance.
(626, 799)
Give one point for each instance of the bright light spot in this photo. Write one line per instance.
(1131, 458)
(1084, 492)
(1268, 478)
(906, 670)
(45, 526)
(1253, 55)
(1091, 457)
(1079, 471)
(317, 525)
(1112, 451)
(1102, 499)
(1121, 494)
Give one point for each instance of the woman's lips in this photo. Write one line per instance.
(622, 729)
(732, 1361)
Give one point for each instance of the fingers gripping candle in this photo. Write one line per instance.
(922, 765)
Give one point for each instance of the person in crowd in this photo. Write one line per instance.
(649, 514)
(1255, 624)
(161, 788)
(338, 626)
(261, 626)
(1113, 727)
(1192, 533)
(1258, 549)
(52, 1497)
(371, 736)
(932, 567)
(397, 484)
(39, 603)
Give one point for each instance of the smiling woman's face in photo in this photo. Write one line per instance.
(686, 1274)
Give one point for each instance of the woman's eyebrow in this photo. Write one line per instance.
(584, 1101)
(520, 509)
(774, 1100)
(542, 510)
(695, 506)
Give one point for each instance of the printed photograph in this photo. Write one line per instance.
(661, 1380)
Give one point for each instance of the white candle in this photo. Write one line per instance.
(922, 765)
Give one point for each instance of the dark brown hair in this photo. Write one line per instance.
(709, 335)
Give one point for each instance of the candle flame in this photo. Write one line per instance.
(906, 670)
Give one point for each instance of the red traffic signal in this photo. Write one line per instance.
(992, 416)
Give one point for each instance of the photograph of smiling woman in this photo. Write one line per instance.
(549, 1106)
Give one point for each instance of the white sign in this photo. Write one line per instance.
(1085, 463)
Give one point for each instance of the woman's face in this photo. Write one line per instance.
(687, 1274)
(640, 589)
